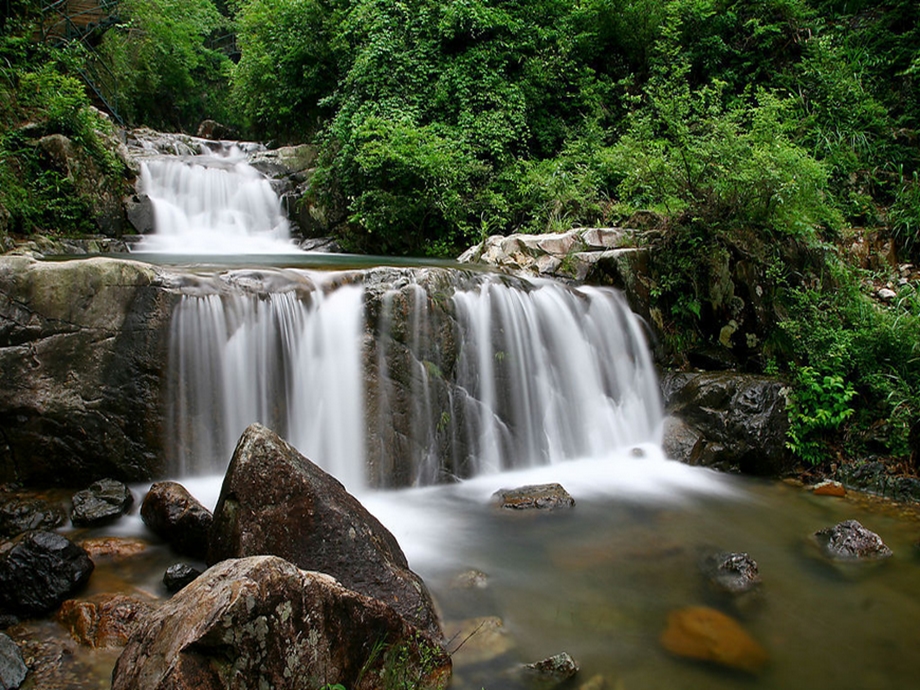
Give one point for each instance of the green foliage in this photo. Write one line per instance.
(167, 75)
(904, 216)
(817, 404)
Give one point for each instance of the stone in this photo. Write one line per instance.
(260, 622)
(20, 514)
(178, 575)
(534, 497)
(557, 668)
(850, 541)
(40, 571)
(470, 579)
(732, 573)
(702, 633)
(478, 640)
(680, 441)
(13, 669)
(178, 518)
(741, 420)
(104, 620)
(829, 488)
(116, 548)
(103, 502)
(275, 501)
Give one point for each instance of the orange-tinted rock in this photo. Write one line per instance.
(829, 489)
(697, 632)
(114, 547)
(104, 620)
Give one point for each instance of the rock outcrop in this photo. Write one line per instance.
(277, 627)
(275, 501)
(82, 357)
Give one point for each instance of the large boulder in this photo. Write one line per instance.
(740, 421)
(40, 571)
(275, 501)
(82, 355)
(178, 518)
(260, 622)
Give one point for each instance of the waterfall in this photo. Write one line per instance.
(409, 377)
(212, 203)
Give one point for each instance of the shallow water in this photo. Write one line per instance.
(599, 580)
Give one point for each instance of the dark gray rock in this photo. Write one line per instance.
(261, 622)
(13, 669)
(22, 513)
(557, 668)
(177, 517)
(103, 502)
(40, 571)
(275, 501)
(534, 497)
(850, 541)
(732, 573)
(178, 575)
(741, 420)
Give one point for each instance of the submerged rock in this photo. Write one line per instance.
(262, 622)
(275, 501)
(478, 640)
(537, 496)
(103, 502)
(850, 541)
(104, 620)
(13, 669)
(557, 668)
(40, 571)
(178, 518)
(702, 633)
(732, 573)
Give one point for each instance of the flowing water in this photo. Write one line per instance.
(519, 383)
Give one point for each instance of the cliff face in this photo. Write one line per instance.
(82, 355)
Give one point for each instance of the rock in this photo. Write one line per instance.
(556, 668)
(829, 488)
(116, 548)
(104, 620)
(19, 513)
(103, 502)
(40, 571)
(697, 632)
(741, 419)
(82, 358)
(210, 129)
(13, 669)
(275, 501)
(537, 496)
(850, 541)
(681, 441)
(178, 518)
(478, 640)
(886, 294)
(261, 622)
(470, 579)
(178, 575)
(732, 573)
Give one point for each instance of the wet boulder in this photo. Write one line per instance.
(13, 669)
(104, 620)
(702, 633)
(534, 497)
(740, 421)
(262, 622)
(40, 571)
(178, 575)
(274, 501)
(21, 513)
(103, 502)
(178, 518)
(850, 541)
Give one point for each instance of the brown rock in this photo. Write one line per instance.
(176, 516)
(829, 488)
(262, 622)
(697, 632)
(117, 548)
(538, 496)
(104, 620)
(275, 501)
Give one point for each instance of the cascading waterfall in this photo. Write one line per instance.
(482, 377)
(212, 203)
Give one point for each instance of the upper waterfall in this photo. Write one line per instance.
(212, 203)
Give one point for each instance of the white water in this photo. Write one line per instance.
(213, 203)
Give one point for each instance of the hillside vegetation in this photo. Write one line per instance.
(755, 139)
